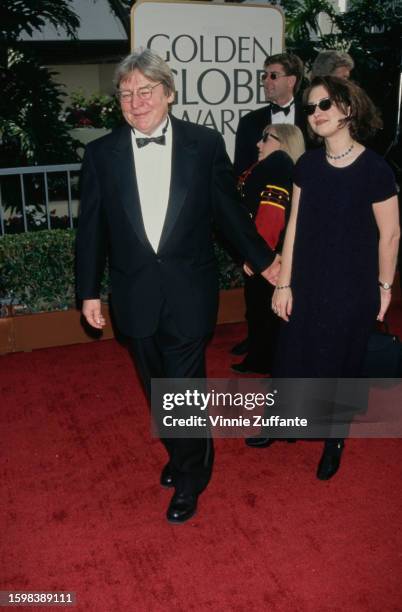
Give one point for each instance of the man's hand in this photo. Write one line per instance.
(272, 272)
(91, 309)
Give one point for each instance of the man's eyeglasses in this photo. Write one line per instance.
(267, 135)
(272, 75)
(143, 93)
(324, 105)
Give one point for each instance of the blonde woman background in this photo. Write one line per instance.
(266, 191)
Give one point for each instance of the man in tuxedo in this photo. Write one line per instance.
(282, 76)
(151, 191)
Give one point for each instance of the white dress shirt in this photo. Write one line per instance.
(280, 117)
(153, 164)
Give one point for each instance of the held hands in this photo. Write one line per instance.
(282, 302)
(91, 309)
(385, 295)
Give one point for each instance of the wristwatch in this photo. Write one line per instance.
(385, 286)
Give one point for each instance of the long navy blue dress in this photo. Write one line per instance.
(335, 266)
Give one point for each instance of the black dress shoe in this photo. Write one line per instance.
(166, 479)
(240, 348)
(330, 460)
(243, 368)
(261, 442)
(182, 507)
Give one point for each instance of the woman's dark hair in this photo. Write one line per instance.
(363, 118)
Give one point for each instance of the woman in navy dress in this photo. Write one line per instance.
(341, 245)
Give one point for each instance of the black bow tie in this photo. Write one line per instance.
(161, 140)
(142, 142)
(275, 108)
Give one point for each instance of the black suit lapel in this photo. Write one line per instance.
(183, 167)
(123, 167)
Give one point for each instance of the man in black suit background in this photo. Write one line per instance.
(282, 77)
(151, 191)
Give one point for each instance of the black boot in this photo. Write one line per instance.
(330, 459)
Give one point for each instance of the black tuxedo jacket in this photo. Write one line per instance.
(183, 272)
(249, 132)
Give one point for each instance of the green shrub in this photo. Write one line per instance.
(37, 270)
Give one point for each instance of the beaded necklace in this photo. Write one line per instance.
(344, 154)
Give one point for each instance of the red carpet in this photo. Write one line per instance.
(81, 508)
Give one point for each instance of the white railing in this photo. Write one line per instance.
(38, 170)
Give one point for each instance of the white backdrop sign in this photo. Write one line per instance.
(216, 52)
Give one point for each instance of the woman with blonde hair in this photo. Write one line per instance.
(266, 191)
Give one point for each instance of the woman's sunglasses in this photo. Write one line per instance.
(324, 105)
(267, 135)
